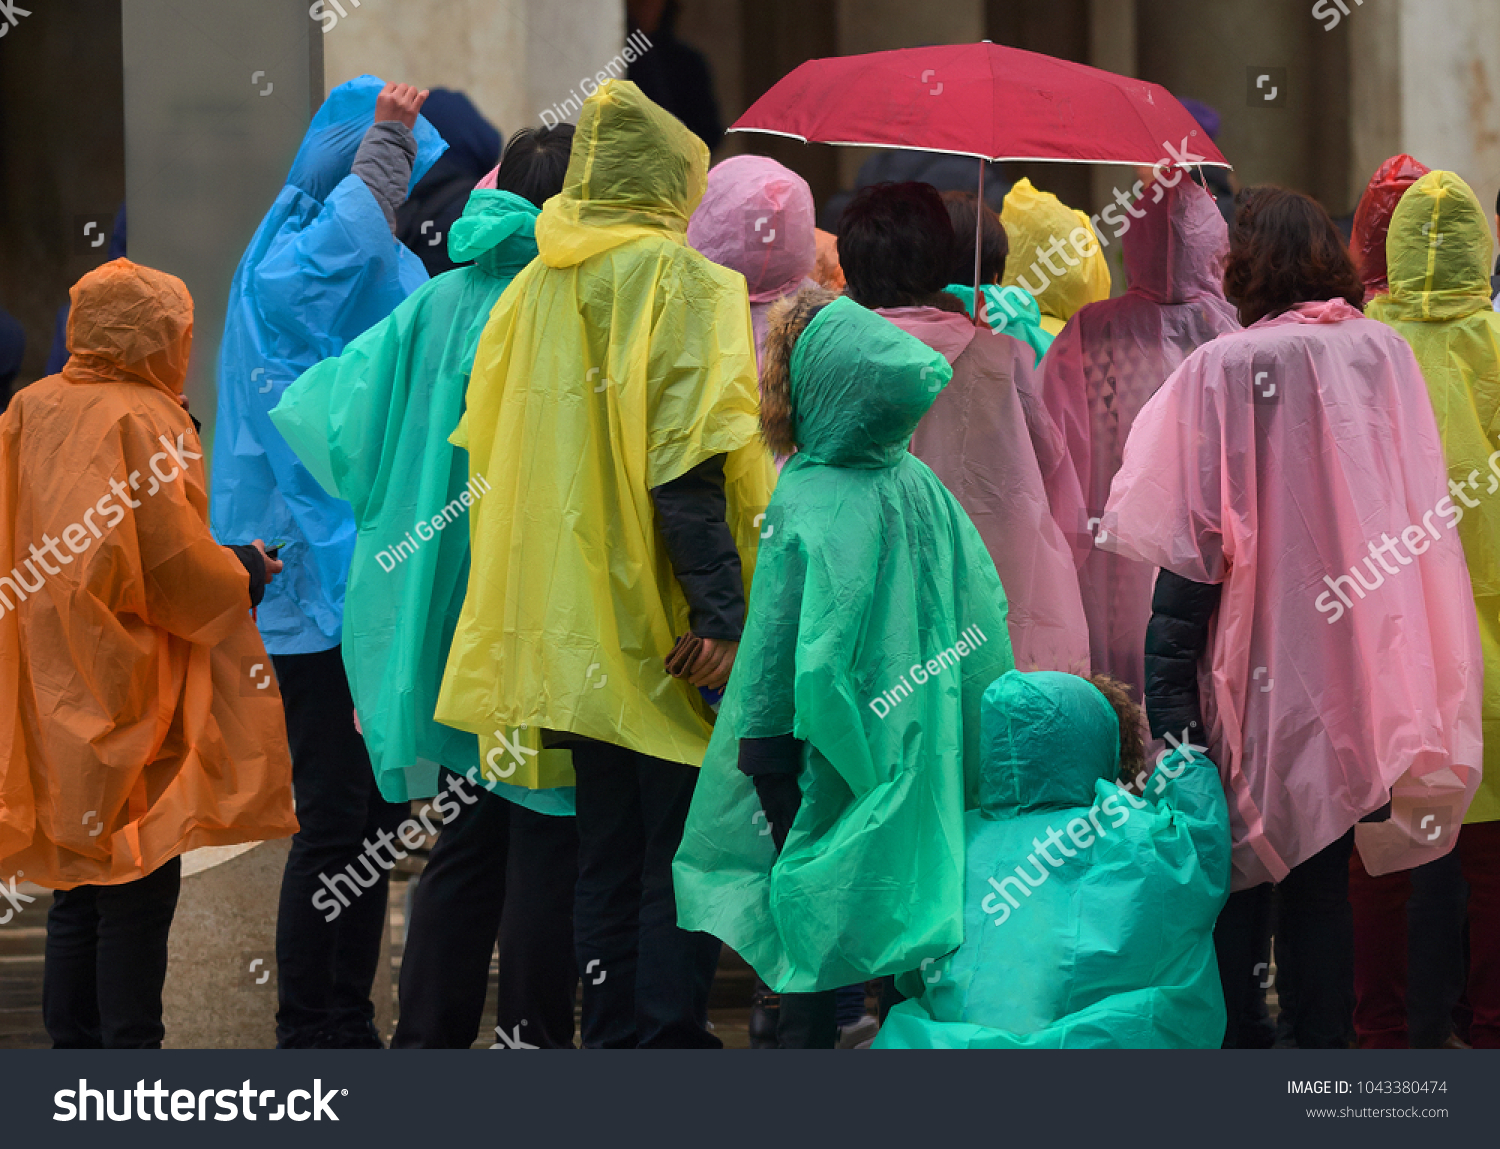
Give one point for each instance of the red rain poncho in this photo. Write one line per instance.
(979, 438)
(1273, 461)
(138, 715)
(1099, 373)
(756, 218)
(1372, 218)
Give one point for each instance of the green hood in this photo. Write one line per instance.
(1046, 739)
(497, 231)
(1438, 252)
(859, 386)
(634, 171)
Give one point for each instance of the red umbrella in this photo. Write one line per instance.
(984, 100)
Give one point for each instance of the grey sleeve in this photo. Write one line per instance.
(384, 161)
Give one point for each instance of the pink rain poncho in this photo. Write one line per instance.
(978, 438)
(1298, 463)
(756, 218)
(1099, 373)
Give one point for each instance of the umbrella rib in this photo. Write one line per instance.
(977, 155)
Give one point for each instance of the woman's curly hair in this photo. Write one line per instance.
(1284, 250)
(1132, 721)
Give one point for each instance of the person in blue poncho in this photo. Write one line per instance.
(373, 425)
(323, 266)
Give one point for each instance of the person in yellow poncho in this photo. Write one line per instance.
(1054, 254)
(1438, 254)
(138, 715)
(612, 411)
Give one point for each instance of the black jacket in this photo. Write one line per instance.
(1176, 639)
(691, 515)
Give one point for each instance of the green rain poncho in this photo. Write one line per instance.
(372, 426)
(1089, 912)
(616, 362)
(1438, 254)
(876, 622)
(1009, 310)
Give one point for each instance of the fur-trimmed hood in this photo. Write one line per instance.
(841, 385)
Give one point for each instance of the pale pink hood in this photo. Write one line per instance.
(1105, 365)
(1268, 462)
(988, 438)
(757, 218)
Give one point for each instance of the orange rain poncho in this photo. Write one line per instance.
(133, 721)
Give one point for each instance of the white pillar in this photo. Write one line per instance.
(512, 59)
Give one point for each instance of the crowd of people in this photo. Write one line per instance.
(1026, 658)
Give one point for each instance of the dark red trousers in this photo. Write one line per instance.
(1381, 952)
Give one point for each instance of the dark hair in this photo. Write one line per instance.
(1284, 250)
(895, 244)
(1132, 718)
(535, 162)
(994, 244)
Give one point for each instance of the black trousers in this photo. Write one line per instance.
(805, 1020)
(645, 982)
(497, 869)
(106, 962)
(326, 962)
(1314, 949)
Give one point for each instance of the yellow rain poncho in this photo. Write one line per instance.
(1048, 259)
(1438, 254)
(614, 363)
(138, 715)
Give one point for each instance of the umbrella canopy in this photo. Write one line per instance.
(983, 100)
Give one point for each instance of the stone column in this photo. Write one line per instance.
(1426, 81)
(513, 59)
(216, 103)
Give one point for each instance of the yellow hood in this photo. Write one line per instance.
(1438, 252)
(1033, 219)
(635, 170)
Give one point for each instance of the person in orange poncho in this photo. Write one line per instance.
(138, 718)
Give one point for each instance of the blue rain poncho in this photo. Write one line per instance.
(372, 426)
(1088, 912)
(322, 267)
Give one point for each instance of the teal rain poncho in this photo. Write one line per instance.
(372, 427)
(1010, 310)
(1089, 912)
(871, 586)
(322, 268)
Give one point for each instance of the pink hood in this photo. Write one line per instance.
(1176, 252)
(1100, 372)
(988, 438)
(1272, 462)
(756, 218)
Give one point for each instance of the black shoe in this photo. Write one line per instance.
(765, 1013)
